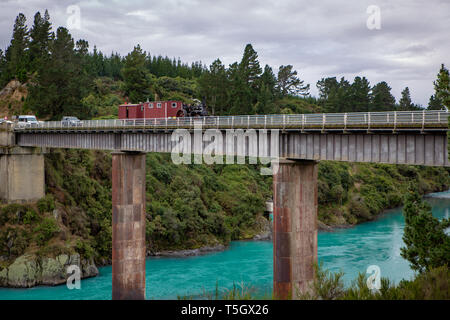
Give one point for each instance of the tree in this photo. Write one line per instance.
(61, 81)
(213, 86)
(244, 81)
(360, 95)
(335, 96)
(442, 86)
(427, 244)
(435, 103)
(266, 94)
(382, 99)
(326, 86)
(289, 83)
(405, 102)
(268, 78)
(113, 65)
(3, 70)
(249, 66)
(17, 52)
(137, 80)
(239, 93)
(41, 37)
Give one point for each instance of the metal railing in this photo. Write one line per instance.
(391, 120)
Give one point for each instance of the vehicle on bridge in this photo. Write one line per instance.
(162, 109)
(71, 122)
(5, 120)
(27, 121)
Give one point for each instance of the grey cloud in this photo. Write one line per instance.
(329, 38)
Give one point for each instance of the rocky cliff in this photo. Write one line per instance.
(30, 270)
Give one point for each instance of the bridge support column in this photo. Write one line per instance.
(294, 227)
(22, 174)
(128, 226)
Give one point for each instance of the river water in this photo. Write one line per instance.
(249, 263)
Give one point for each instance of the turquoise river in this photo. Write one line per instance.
(351, 250)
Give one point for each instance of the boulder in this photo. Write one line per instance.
(53, 272)
(24, 272)
(28, 270)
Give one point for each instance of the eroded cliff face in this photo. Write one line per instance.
(12, 98)
(29, 270)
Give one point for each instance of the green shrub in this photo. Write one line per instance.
(85, 249)
(46, 204)
(358, 209)
(326, 285)
(45, 230)
(13, 241)
(30, 217)
(12, 213)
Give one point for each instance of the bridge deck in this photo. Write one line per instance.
(371, 121)
(418, 138)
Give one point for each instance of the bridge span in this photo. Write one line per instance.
(297, 142)
(409, 137)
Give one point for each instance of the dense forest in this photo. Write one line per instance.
(47, 73)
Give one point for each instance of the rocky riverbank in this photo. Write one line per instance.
(29, 270)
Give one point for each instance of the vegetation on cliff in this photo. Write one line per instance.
(351, 193)
(188, 206)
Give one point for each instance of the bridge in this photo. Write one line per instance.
(295, 143)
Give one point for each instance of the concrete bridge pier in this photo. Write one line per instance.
(294, 227)
(128, 226)
(22, 175)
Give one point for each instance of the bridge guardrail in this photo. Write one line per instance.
(315, 121)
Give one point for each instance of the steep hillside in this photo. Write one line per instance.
(188, 206)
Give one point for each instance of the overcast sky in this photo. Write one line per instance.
(319, 38)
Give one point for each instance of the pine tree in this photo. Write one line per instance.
(137, 80)
(17, 53)
(360, 95)
(435, 103)
(239, 93)
(427, 244)
(249, 67)
(97, 63)
(213, 86)
(405, 103)
(41, 37)
(382, 99)
(112, 66)
(342, 100)
(268, 78)
(327, 89)
(266, 96)
(3, 69)
(61, 82)
(335, 96)
(289, 84)
(442, 86)
(267, 92)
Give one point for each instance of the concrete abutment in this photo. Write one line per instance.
(22, 174)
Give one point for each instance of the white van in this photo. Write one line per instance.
(27, 121)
